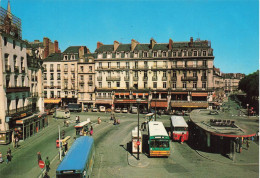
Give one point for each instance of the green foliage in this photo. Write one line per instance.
(250, 84)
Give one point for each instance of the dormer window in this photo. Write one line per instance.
(109, 55)
(100, 56)
(135, 54)
(117, 55)
(204, 53)
(126, 55)
(174, 53)
(154, 54)
(195, 53)
(164, 54)
(184, 53)
(145, 54)
(65, 57)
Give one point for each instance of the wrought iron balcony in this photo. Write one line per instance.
(145, 78)
(203, 78)
(126, 78)
(7, 68)
(113, 78)
(135, 78)
(99, 78)
(189, 78)
(154, 78)
(164, 78)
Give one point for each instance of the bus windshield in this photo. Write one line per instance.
(180, 129)
(159, 143)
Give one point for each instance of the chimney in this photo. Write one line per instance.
(170, 44)
(36, 41)
(81, 52)
(133, 44)
(46, 42)
(191, 42)
(99, 44)
(56, 46)
(116, 44)
(152, 43)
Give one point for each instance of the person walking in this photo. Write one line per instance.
(46, 175)
(39, 156)
(8, 158)
(1, 158)
(91, 131)
(182, 138)
(47, 164)
(247, 143)
(9, 151)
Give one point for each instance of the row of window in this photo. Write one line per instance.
(14, 43)
(154, 54)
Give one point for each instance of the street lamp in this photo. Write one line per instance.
(247, 105)
(138, 141)
(155, 103)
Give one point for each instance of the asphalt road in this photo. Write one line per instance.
(111, 159)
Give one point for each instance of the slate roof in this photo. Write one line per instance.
(74, 49)
(143, 47)
(124, 47)
(34, 45)
(54, 57)
(105, 48)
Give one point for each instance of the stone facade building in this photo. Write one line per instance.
(231, 81)
(21, 111)
(174, 75)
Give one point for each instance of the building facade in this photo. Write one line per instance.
(231, 81)
(19, 112)
(174, 75)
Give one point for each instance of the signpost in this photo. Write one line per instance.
(138, 143)
(41, 164)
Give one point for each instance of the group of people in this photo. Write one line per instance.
(77, 119)
(113, 118)
(8, 156)
(47, 163)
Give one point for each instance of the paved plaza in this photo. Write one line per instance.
(113, 158)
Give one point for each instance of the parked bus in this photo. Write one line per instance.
(134, 110)
(82, 128)
(79, 160)
(179, 128)
(74, 107)
(158, 139)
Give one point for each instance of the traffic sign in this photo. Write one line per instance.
(41, 164)
(138, 142)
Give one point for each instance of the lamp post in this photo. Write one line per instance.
(247, 105)
(155, 103)
(138, 141)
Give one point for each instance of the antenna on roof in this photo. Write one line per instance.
(198, 39)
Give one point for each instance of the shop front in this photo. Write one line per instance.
(31, 125)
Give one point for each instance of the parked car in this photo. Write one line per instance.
(124, 110)
(118, 110)
(102, 109)
(108, 110)
(94, 109)
(134, 110)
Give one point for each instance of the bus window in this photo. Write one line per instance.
(180, 129)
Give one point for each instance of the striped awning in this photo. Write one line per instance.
(189, 105)
(52, 101)
(159, 104)
(199, 94)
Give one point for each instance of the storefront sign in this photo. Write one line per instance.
(23, 115)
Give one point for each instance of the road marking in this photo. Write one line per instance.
(99, 169)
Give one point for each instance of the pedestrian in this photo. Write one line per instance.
(240, 145)
(9, 151)
(39, 156)
(1, 158)
(99, 120)
(111, 117)
(247, 143)
(118, 121)
(237, 144)
(16, 141)
(66, 147)
(91, 131)
(47, 164)
(114, 121)
(46, 175)
(64, 123)
(8, 158)
(182, 138)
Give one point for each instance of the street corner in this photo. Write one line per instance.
(142, 162)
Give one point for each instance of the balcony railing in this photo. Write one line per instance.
(189, 78)
(16, 69)
(189, 66)
(81, 82)
(99, 78)
(164, 78)
(135, 78)
(203, 78)
(17, 89)
(113, 78)
(90, 82)
(126, 78)
(18, 111)
(174, 78)
(51, 70)
(154, 78)
(145, 78)
(7, 68)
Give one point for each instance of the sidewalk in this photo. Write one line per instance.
(142, 162)
(247, 157)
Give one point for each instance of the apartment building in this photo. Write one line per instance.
(174, 75)
(231, 81)
(20, 113)
(46, 47)
(61, 76)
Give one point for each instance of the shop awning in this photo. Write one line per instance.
(121, 94)
(179, 93)
(140, 94)
(103, 102)
(199, 94)
(128, 101)
(22, 121)
(52, 101)
(189, 105)
(159, 104)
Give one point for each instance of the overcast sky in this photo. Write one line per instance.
(232, 26)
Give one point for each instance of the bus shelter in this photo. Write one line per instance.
(82, 128)
(135, 140)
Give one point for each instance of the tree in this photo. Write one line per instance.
(250, 85)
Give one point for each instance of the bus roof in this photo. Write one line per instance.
(83, 123)
(156, 128)
(77, 155)
(178, 121)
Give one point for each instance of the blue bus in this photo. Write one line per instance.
(78, 162)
